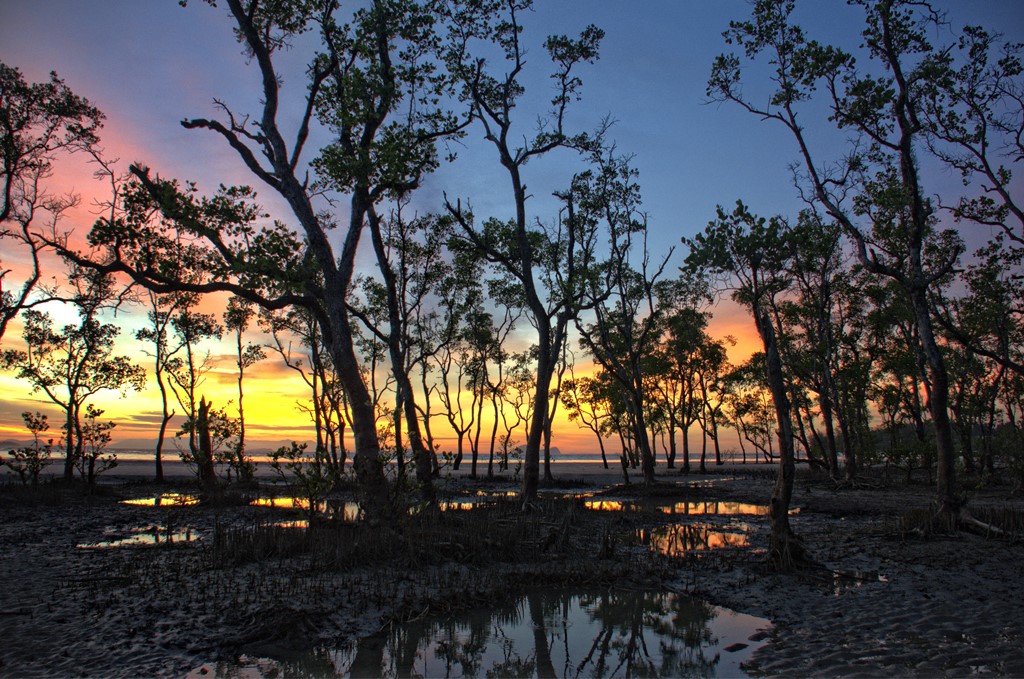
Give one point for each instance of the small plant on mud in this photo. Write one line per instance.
(311, 476)
(216, 434)
(95, 437)
(29, 462)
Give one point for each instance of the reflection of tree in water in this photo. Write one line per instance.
(678, 539)
(631, 620)
(634, 634)
(312, 665)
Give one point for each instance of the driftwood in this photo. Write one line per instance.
(982, 528)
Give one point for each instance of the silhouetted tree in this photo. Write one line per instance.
(186, 372)
(751, 252)
(237, 318)
(161, 308)
(327, 406)
(532, 256)
(73, 364)
(875, 193)
(39, 123)
(584, 405)
(620, 290)
(374, 87)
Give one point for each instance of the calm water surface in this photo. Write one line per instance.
(609, 633)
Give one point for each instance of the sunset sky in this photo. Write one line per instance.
(147, 65)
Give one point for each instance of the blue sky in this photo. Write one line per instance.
(150, 64)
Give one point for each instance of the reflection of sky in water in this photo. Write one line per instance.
(164, 500)
(346, 511)
(349, 511)
(616, 633)
(682, 508)
(678, 539)
(143, 536)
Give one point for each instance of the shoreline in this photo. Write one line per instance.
(176, 471)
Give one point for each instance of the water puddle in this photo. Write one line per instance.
(497, 493)
(678, 539)
(682, 508)
(350, 512)
(566, 633)
(164, 500)
(146, 536)
(716, 509)
(463, 505)
(332, 509)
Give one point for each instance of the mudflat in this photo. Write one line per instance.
(96, 586)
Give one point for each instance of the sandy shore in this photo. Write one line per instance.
(942, 606)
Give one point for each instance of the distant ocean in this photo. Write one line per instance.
(262, 456)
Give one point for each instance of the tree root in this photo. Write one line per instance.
(854, 484)
(788, 554)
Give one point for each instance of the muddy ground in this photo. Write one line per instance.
(886, 599)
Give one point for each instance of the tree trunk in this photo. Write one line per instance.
(69, 441)
(549, 479)
(831, 453)
(785, 550)
(204, 454)
(685, 428)
(671, 443)
(714, 438)
(531, 456)
(938, 406)
(600, 443)
(369, 470)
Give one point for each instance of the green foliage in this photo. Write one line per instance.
(180, 241)
(747, 253)
(389, 65)
(308, 474)
(29, 462)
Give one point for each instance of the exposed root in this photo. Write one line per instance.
(787, 553)
(854, 484)
(927, 522)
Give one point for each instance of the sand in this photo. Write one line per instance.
(941, 606)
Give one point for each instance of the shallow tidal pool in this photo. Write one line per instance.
(556, 633)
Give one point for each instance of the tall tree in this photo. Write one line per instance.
(187, 373)
(327, 406)
(157, 333)
(621, 289)
(373, 87)
(532, 256)
(237, 318)
(876, 192)
(817, 265)
(583, 404)
(751, 253)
